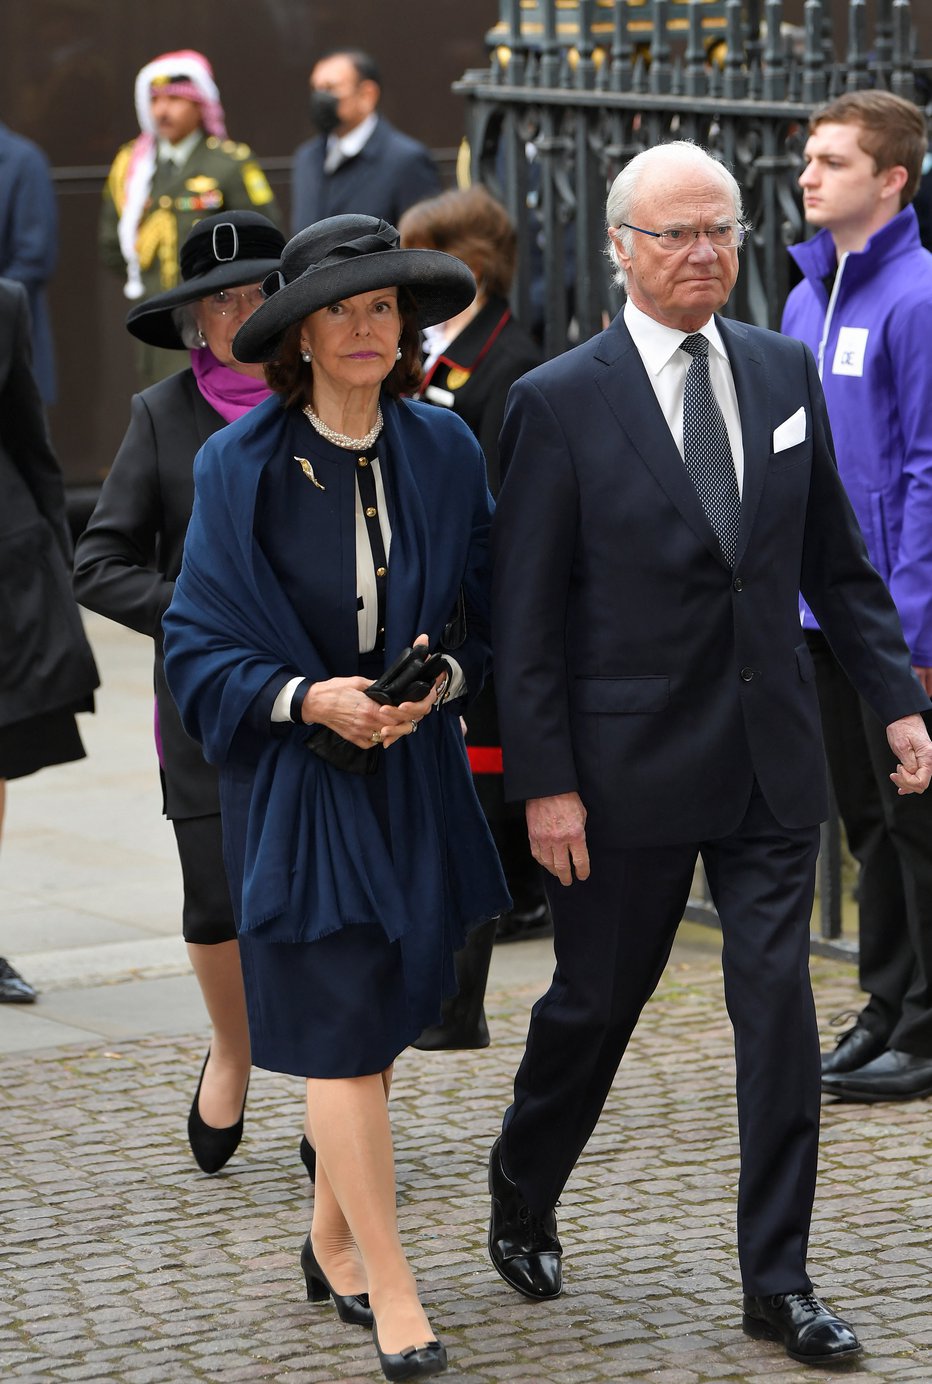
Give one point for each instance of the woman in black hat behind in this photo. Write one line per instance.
(126, 563)
(333, 528)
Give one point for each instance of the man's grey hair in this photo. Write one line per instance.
(186, 326)
(622, 195)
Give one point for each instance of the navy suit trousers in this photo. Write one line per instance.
(612, 938)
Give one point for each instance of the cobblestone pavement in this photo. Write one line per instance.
(122, 1263)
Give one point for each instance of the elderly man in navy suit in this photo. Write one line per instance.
(658, 704)
(358, 162)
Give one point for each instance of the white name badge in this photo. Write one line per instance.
(850, 351)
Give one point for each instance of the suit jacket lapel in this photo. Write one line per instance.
(750, 376)
(627, 390)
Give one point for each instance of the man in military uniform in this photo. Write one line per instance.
(180, 168)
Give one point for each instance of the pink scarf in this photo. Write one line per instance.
(224, 388)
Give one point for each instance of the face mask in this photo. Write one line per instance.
(324, 111)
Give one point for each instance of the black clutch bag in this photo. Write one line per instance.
(408, 679)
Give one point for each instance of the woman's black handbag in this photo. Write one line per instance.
(408, 679)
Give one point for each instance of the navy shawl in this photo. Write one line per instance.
(310, 856)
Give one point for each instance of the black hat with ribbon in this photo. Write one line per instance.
(223, 251)
(340, 257)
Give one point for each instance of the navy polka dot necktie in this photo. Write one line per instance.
(707, 451)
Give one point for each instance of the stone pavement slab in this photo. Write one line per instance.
(121, 1262)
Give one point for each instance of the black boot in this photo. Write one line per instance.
(462, 1020)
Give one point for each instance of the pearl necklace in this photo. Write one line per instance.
(353, 444)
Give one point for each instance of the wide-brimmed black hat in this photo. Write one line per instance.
(340, 257)
(222, 251)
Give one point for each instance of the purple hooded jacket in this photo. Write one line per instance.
(871, 334)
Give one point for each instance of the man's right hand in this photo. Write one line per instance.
(556, 829)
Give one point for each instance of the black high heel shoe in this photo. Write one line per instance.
(212, 1148)
(417, 1362)
(354, 1309)
(308, 1157)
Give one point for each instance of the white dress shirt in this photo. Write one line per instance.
(666, 364)
(179, 153)
(343, 147)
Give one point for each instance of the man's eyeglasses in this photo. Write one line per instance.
(235, 300)
(725, 235)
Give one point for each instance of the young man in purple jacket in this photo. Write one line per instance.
(865, 308)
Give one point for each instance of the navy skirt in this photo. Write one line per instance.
(336, 1007)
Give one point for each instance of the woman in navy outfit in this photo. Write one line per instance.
(336, 525)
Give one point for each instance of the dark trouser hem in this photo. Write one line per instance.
(612, 937)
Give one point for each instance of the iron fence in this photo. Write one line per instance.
(572, 92)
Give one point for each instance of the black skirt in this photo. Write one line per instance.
(207, 918)
(38, 743)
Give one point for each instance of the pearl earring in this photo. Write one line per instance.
(398, 354)
(201, 339)
(306, 357)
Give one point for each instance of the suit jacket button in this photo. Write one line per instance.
(738, 584)
(748, 675)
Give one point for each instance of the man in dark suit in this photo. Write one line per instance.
(658, 704)
(358, 162)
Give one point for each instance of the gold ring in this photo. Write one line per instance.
(413, 727)
(376, 737)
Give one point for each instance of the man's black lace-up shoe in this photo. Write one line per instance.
(808, 1329)
(523, 1247)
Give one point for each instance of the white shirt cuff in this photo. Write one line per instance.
(281, 711)
(457, 679)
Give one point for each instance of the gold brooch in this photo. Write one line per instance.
(308, 470)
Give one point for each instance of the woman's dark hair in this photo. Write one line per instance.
(290, 376)
(470, 225)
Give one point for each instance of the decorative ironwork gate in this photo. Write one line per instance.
(575, 88)
(573, 91)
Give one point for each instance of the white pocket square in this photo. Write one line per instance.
(790, 432)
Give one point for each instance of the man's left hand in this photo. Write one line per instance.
(909, 741)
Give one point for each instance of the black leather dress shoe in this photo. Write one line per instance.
(417, 1362)
(808, 1330)
(523, 1247)
(891, 1076)
(212, 1147)
(13, 989)
(353, 1308)
(521, 925)
(854, 1048)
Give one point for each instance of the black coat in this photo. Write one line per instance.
(46, 663)
(129, 555)
(477, 369)
(473, 377)
(390, 173)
